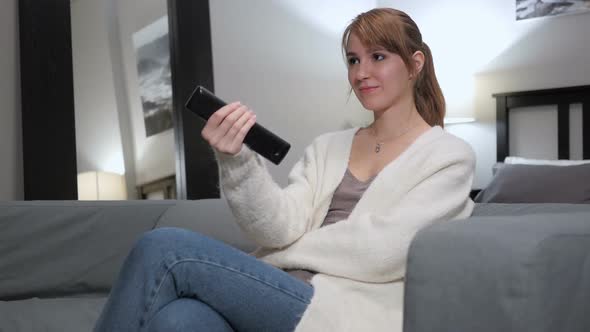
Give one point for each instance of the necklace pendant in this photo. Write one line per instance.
(378, 148)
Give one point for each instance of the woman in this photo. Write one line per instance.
(333, 243)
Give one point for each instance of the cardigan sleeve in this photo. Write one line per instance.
(373, 247)
(272, 216)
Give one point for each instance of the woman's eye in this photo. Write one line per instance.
(353, 61)
(378, 56)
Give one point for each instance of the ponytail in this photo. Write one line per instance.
(428, 95)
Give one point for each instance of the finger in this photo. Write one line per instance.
(239, 138)
(238, 124)
(216, 131)
(234, 116)
(216, 119)
(225, 126)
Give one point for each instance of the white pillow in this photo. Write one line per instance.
(561, 162)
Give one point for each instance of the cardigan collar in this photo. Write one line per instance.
(338, 155)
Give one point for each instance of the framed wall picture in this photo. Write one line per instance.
(526, 9)
(152, 49)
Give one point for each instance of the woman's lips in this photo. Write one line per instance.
(368, 89)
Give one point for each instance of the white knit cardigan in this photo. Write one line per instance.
(361, 260)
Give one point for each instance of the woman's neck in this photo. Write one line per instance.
(396, 121)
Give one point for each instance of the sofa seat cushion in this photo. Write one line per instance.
(51, 315)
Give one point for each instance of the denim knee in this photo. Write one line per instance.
(188, 315)
(164, 235)
(166, 240)
(155, 243)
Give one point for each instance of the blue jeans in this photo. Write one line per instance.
(177, 280)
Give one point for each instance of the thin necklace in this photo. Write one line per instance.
(379, 143)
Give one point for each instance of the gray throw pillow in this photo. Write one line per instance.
(518, 183)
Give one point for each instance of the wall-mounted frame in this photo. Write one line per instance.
(526, 9)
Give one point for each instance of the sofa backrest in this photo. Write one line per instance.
(57, 248)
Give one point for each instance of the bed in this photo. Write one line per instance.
(521, 262)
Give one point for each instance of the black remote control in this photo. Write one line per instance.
(204, 103)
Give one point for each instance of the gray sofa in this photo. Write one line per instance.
(58, 259)
(510, 267)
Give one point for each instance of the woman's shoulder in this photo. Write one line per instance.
(442, 143)
(456, 143)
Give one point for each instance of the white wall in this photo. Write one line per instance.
(283, 59)
(480, 49)
(11, 183)
(98, 135)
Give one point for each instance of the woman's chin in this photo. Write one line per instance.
(372, 104)
(372, 107)
(368, 105)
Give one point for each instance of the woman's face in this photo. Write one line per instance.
(380, 79)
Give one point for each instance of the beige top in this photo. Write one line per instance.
(347, 194)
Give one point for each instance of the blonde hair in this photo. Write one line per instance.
(395, 31)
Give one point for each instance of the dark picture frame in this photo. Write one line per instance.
(526, 9)
(47, 93)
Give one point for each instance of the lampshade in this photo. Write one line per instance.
(101, 186)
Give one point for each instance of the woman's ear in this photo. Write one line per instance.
(418, 58)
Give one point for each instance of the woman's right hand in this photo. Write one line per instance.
(226, 128)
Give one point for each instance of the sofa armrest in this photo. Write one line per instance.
(504, 273)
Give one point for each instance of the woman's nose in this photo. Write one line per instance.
(363, 71)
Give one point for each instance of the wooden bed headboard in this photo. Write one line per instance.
(563, 98)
